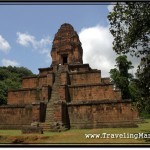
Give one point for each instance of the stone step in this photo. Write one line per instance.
(50, 107)
(54, 97)
(53, 126)
(50, 116)
(50, 113)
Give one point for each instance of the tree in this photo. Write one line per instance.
(130, 27)
(143, 75)
(120, 75)
(11, 78)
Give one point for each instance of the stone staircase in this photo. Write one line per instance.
(50, 124)
(54, 98)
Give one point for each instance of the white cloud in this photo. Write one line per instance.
(25, 39)
(7, 62)
(97, 49)
(28, 40)
(4, 45)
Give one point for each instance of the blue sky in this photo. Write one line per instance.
(27, 31)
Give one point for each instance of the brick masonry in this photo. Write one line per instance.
(16, 116)
(68, 94)
(104, 114)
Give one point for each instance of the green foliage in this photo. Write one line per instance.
(130, 26)
(120, 75)
(145, 115)
(143, 75)
(11, 78)
(134, 90)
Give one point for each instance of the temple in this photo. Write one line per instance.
(68, 94)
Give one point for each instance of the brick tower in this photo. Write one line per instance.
(66, 47)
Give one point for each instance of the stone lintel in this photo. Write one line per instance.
(95, 102)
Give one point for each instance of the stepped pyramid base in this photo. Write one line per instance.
(76, 95)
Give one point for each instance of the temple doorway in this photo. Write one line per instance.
(65, 59)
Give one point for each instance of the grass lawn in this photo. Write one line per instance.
(76, 136)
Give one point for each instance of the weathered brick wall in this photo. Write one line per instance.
(79, 68)
(58, 112)
(40, 81)
(117, 94)
(97, 115)
(106, 80)
(61, 113)
(18, 115)
(30, 82)
(24, 96)
(45, 93)
(86, 68)
(28, 96)
(36, 112)
(64, 78)
(50, 79)
(92, 92)
(85, 78)
(64, 93)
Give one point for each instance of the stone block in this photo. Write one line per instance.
(32, 130)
